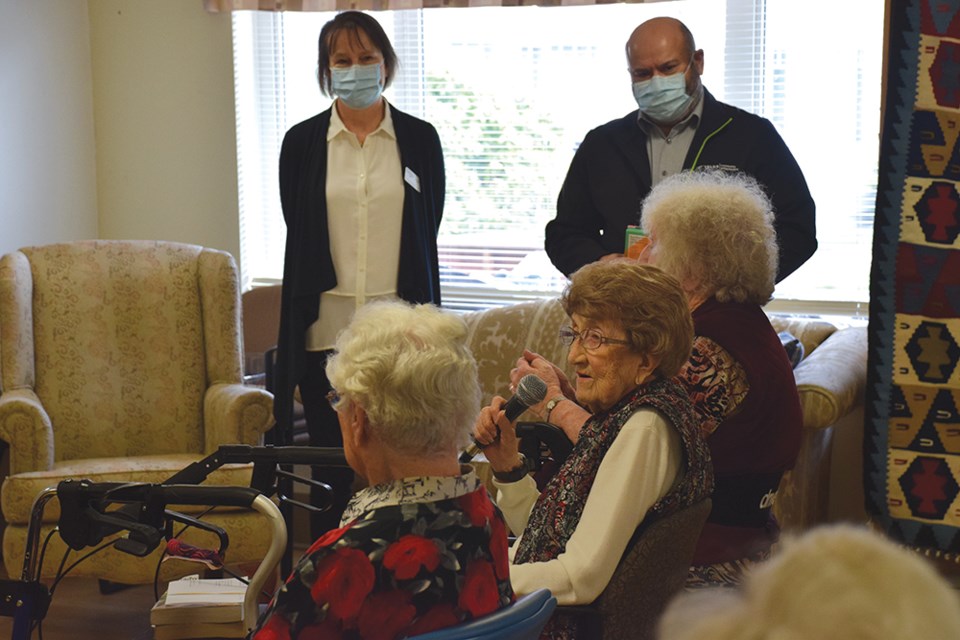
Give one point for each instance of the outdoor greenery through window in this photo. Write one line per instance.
(513, 90)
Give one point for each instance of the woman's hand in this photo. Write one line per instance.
(556, 381)
(498, 437)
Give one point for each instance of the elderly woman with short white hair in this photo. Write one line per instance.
(422, 546)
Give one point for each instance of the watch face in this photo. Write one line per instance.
(552, 404)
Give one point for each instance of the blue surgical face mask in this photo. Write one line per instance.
(358, 86)
(663, 99)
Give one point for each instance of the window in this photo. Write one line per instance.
(513, 90)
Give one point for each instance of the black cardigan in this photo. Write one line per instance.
(308, 266)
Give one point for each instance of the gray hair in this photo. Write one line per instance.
(409, 367)
(714, 232)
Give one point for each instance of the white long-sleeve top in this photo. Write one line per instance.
(641, 466)
(364, 216)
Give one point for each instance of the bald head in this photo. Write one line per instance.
(663, 32)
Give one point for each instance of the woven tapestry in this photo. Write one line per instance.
(912, 432)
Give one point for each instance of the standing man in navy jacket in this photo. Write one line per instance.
(679, 126)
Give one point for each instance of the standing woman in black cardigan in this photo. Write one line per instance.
(362, 189)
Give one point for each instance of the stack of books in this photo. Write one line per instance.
(200, 608)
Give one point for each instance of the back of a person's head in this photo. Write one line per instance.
(411, 369)
(837, 582)
(714, 231)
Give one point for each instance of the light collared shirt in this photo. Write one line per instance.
(364, 212)
(411, 491)
(667, 152)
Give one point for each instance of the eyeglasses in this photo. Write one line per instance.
(333, 398)
(590, 339)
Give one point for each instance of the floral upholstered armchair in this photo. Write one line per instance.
(121, 361)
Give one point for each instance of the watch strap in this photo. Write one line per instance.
(551, 404)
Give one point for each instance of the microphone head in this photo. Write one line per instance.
(531, 390)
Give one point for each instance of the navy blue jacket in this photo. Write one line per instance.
(610, 176)
(308, 266)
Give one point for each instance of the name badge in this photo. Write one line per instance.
(411, 178)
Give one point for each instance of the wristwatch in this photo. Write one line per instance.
(516, 474)
(553, 403)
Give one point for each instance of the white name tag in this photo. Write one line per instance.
(412, 179)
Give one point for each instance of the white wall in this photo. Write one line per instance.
(47, 155)
(116, 121)
(165, 125)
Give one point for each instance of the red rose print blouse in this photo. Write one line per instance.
(416, 555)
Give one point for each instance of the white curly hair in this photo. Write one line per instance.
(409, 367)
(835, 582)
(713, 231)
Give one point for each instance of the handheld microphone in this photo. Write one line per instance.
(530, 391)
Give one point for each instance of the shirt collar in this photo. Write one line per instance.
(411, 490)
(337, 127)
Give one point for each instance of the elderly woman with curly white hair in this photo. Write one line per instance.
(713, 231)
(422, 546)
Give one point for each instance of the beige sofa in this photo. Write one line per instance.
(831, 380)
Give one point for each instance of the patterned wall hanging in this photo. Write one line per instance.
(912, 434)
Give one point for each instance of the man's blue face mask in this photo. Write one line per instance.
(358, 86)
(663, 99)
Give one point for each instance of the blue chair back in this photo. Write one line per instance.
(522, 620)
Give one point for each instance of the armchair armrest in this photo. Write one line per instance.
(833, 378)
(26, 427)
(235, 414)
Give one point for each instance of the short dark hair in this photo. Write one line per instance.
(352, 22)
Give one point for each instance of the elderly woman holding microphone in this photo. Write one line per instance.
(639, 454)
(713, 231)
(422, 546)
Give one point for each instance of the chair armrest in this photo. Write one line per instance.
(26, 427)
(235, 414)
(833, 378)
